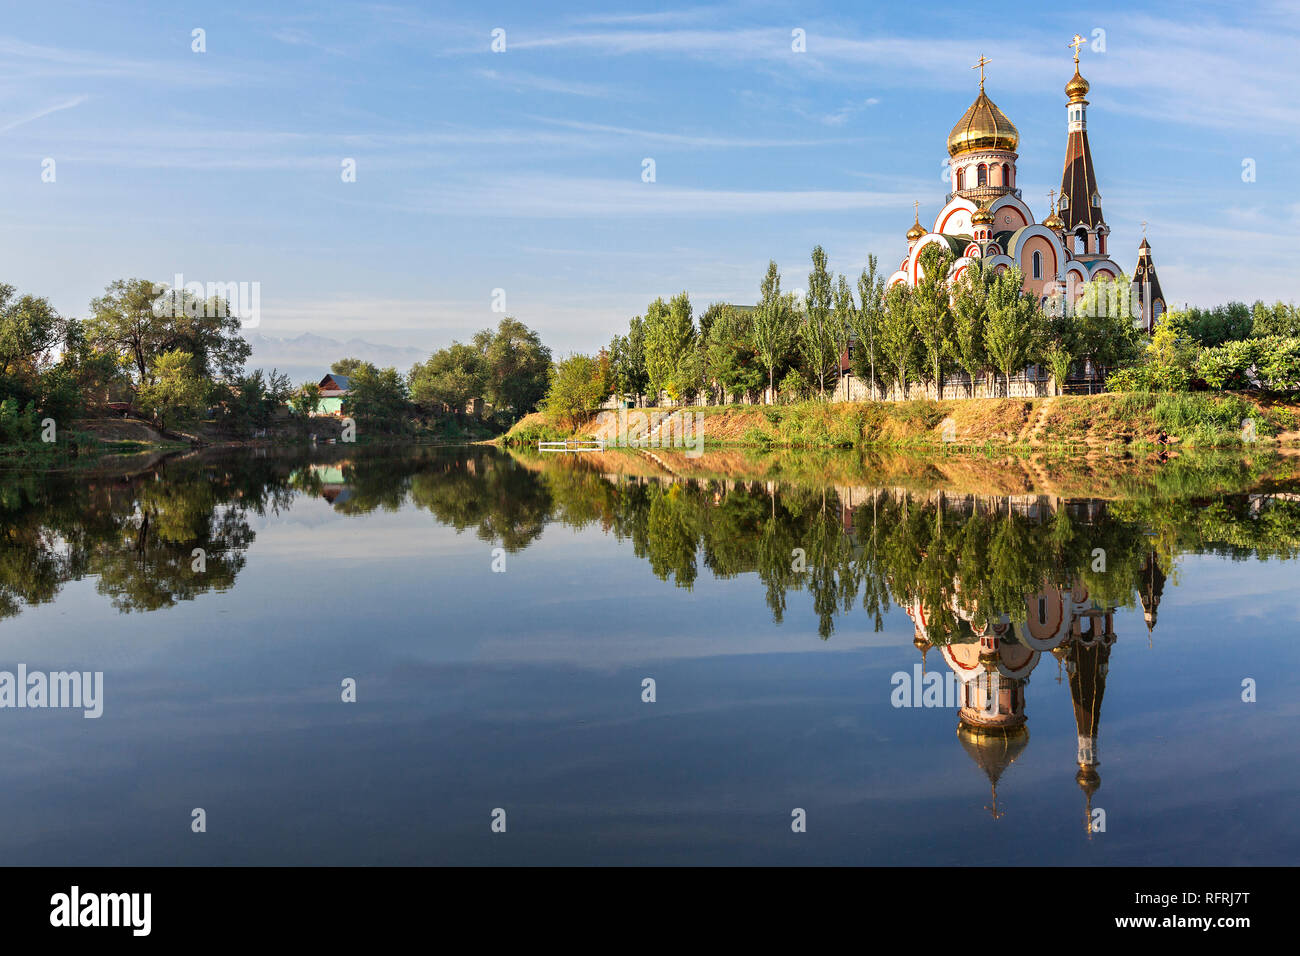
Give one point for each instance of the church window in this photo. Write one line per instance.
(1042, 610)
(961, 179)
(1065, 201)
(1096, 199)
(983, 175)
(1038, 265)
(1006, 174)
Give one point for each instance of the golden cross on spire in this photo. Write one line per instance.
(1144, 228)
(1077, 42)
(917, 204)
(984, 61)
(1051, 197)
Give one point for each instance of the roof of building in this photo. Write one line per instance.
(342, 383)
(1079, 184)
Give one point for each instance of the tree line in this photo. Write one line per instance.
(791, 346)
(176, 359)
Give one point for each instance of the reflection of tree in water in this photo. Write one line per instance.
(136, 534)
(961, 558)
(490, 493)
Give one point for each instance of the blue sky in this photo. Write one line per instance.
(521, 170)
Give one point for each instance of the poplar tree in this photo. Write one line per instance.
(897, 338)
(817, 337)
(772, 328)
(1012, 335)
(932, 314)
(970, 309)
(866, 321)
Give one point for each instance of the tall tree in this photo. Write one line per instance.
(1013, 334)
(845, 316)
(139, 322)
(817, 337)
(897, 338)
(932, 312)
(729, 354)
(454, 377)
(669, 346)
(515, 364)
(30, 330)
(1060, 345)
(970, 315)
(773, 326)
(866, 321)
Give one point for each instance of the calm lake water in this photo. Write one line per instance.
(1084, 661)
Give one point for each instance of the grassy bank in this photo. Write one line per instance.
(1098, 423)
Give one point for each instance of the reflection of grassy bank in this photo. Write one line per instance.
(1098, 423)
(1206, 473)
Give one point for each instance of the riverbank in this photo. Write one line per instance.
(1104, 424)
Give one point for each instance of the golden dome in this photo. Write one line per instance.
(982, 217)
(1077, 88)
(1054, 222)
(983, 126)
(916, 232)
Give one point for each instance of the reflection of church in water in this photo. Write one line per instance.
(992, 664)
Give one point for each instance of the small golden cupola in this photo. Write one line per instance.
(1077, 88)
(917, 230)
(1053, 221)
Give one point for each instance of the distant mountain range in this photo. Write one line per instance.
(307, 357)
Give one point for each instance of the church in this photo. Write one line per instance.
(985, 216)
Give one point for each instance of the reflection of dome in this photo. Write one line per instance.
(1077, 88)
(983, 126)
(1089, 780)
(993, 751)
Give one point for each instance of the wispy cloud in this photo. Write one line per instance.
(535, 83)
(561, 197)
(45, 111)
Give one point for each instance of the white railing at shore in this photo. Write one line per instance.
(593, 444)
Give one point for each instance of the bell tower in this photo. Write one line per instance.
(1084, 229)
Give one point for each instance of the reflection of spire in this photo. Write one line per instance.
(1151, 587)
(1088, 663)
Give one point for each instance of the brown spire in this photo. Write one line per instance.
(1080, 203)
(1147, 286)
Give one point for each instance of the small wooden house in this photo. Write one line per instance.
(333, 389)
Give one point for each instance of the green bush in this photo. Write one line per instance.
(18, 425)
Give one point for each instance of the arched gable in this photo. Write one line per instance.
(1016, 247)
(1010, 205)
(914, 260)
(954, 218)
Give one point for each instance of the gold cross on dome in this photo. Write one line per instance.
(1077, 42)
(984, 61)
(1144, 228)
(1051, 197)
(917, 204)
